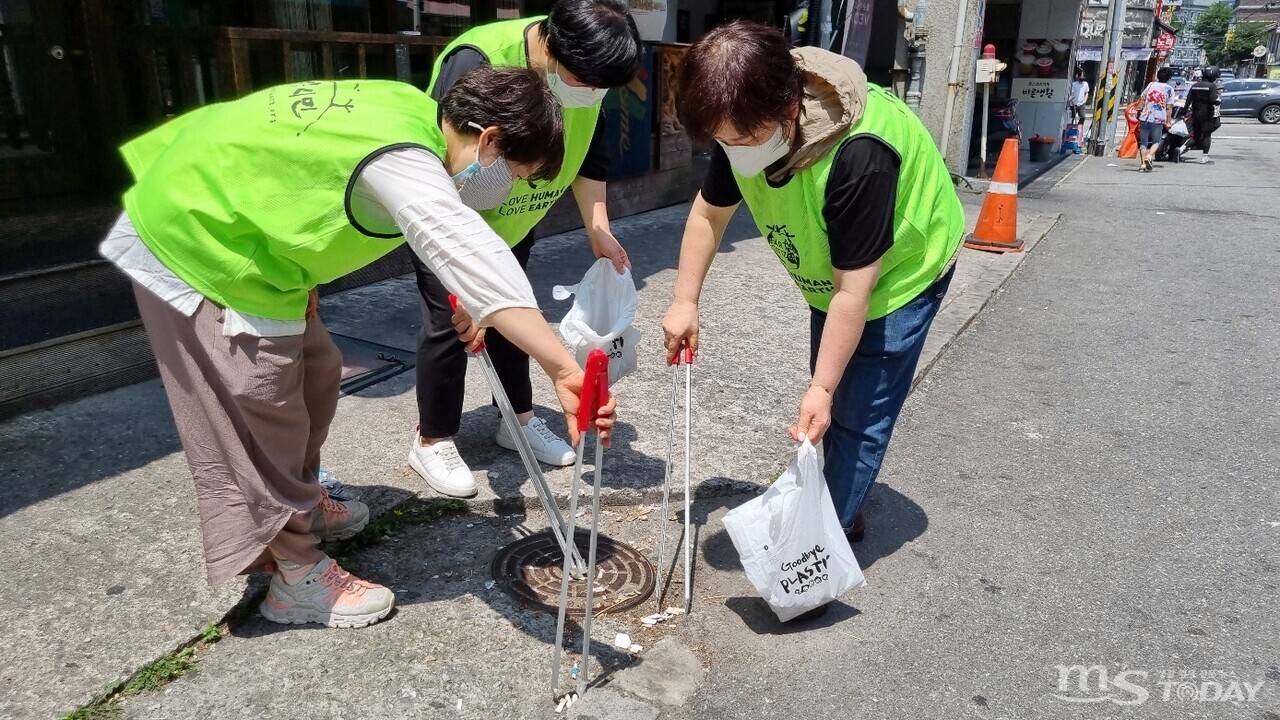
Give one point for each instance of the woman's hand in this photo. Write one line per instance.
(569, 391)
(680, 328)
(468, 331)
(815, 415)
(605, 245)
(313, 304)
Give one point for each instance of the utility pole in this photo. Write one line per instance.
(1108, 87)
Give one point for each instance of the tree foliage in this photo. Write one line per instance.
(1211, 30)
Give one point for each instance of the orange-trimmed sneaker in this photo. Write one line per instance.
(327, 595)
(338, 520)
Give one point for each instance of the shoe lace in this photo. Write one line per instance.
(341, 580)
(452, 460)
(541, 430)
(332, 507)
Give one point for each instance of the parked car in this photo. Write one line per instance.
(1225, 75)
(1180, 86)
(1252, 98)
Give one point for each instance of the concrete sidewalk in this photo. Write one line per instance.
(97, 510)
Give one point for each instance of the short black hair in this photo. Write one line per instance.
(519, 103)
(596, 40)
(1164, 74)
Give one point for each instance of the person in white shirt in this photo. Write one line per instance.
(1154, 117)
(1079, 102)
(239, 210)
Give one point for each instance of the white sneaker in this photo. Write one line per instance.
(547, 446)
(442, 467)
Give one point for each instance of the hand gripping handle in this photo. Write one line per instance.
(453, 305)
(684, 356)
(595, 390)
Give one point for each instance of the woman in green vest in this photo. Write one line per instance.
(238, 211)
(853, 197)
(582, 48)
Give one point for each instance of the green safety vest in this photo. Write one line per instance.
(503, 44)
(928, 221)
(249, 201)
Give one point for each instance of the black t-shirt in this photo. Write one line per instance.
(862, 191)
(465, 59)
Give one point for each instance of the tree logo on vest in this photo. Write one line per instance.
(302, 101)
(781, 242)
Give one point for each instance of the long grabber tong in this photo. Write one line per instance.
(684, 357)
(595, 394)
(531, 465)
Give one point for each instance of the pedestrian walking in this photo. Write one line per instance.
(1204, 110)
(854, 198)
(1079, 102)
(1153, 118)
(239, 211)
(582, 48)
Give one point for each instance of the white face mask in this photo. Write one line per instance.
(751, 160)
(571, 96)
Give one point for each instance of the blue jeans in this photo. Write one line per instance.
(1150, 134)
(870, 395)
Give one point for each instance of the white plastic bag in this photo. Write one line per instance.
(1179, 128)
(601, 317)
(791, 543)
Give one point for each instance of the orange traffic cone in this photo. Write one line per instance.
(997, 229)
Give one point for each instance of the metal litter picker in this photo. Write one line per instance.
(531, 465)
(595, 393)
(683, 357)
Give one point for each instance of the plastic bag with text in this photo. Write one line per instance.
(791, 544)
(602, 316)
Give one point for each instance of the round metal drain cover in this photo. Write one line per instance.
(530, 570)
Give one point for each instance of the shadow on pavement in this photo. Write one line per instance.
(757, 616)
(443, 561)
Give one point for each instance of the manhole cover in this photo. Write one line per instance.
(530, 570)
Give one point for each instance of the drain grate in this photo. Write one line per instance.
(529, 569)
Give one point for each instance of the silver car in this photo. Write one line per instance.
(1252, 98)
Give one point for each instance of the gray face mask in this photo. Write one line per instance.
(484, 187)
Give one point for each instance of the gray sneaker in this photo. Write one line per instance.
(328, 595)
(333, 520)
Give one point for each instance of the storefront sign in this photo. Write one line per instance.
(857, 25)
(628, 123)
(1032, 90)
(1094, 25)
(1164, 43)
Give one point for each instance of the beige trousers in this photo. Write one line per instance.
(252, 414)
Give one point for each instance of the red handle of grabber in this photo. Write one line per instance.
(684, 355)
(595, 390)
(453, 305)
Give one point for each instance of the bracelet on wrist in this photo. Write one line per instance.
(820, 387)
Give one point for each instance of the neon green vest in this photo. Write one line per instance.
(504, 45)
(928, 220)
(248, 201)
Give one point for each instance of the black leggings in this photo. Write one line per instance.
(442, 358)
